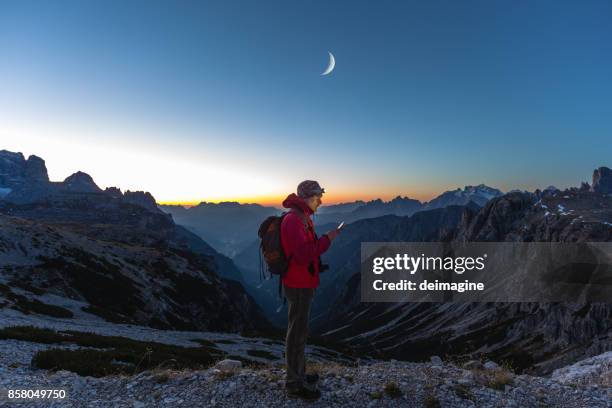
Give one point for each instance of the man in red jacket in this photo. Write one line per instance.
(303, 248)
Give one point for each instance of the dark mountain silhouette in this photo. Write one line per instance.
(532, 336)
(128, 261)
(266, 294)
(375, 208)
(231, 227)
(228, 226)
(344, 255)
(602, 180)
(121, 256)
(340, 208)
(402, 206)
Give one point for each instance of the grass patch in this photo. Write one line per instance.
(161, 377)
(500, 379)
(392, 390)
(262, 354)
(95, 363)
(273, 343)
(508, 365)
(328, 354)
(204, 342)
(5, 290)
(431, 401)
(224, 375)
(36, 306)
(33, 334)
(27, 306)
(106, 314)
(26, 286)
(463, 391)
(376, 395)
(120, 355)
(225, 341)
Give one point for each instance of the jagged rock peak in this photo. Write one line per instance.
(113, 191)
(80, 182)
(36, 170)
(481, 188)
(602, 180)
(6, 155)
(400, 198)
(16, 170)
(141, 198)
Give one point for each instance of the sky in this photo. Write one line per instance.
(224, 100)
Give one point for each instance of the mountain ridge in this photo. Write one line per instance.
(75, 240)
(536, 337)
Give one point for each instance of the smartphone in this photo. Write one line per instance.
(341, 225)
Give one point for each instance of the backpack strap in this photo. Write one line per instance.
(303, 218)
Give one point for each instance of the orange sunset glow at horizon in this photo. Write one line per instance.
(328, 199)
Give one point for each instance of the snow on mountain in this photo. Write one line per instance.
(479, 195)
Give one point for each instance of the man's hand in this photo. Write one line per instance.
(333, 234)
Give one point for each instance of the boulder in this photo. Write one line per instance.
(473, 365)
(491, 365)
(593, 370)
(435, 360)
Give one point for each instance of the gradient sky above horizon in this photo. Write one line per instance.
(223, 100)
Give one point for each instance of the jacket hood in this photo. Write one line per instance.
(293, 201)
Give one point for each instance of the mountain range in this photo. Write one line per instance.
(229, 226)
(122, 259)
(532, 336)
(116, 253)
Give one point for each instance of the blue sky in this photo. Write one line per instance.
(224, 100)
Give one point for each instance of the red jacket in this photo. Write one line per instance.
(300, 244)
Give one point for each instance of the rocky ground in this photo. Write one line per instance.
(390, 384)
(363, 384)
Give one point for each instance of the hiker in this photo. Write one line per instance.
(303, 248)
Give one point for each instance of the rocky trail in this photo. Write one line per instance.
(231, 383)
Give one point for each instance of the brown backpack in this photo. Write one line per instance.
(271, 246)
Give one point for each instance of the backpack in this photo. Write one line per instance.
(270, 246)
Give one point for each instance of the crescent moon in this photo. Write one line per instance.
(331, 65)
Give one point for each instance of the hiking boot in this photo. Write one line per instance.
(304, 393)
(312, 378)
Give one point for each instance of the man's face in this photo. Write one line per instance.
(314, 202)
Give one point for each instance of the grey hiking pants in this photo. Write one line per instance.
(298, 302)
